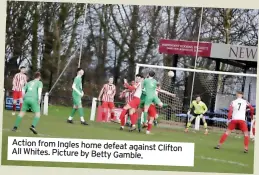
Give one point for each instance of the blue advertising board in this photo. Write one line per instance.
(9, 104)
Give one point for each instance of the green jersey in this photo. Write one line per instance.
(199, 108)
(78, 85)
(31, 89)
(150, 86)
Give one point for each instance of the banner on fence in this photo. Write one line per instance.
(9, 104)
(117, 112)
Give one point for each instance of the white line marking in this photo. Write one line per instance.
(223, 161)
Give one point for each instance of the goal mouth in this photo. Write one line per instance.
(216, 89)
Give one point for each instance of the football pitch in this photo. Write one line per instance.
(230, 159)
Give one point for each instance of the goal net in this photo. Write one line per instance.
(217, 90)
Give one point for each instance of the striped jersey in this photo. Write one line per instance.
(138, 90)
(128, 95)
(19, 81)
(109, 91)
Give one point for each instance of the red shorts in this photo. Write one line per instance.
(134, 103)
(17, 95)
(152, 111)
(109, 105)
(238, 123)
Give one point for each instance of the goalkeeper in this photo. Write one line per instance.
(200, 109)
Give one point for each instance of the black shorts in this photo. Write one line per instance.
(196, 115)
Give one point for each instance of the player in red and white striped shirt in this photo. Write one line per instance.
(19, 81)
(132, 106)
(237, 118)
(107, 93)
(128, 95)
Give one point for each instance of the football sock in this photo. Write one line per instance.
(223, 138)
(149, 126)
(246, 142)
(139, 123)
(112, 115)
(188, 124)
(17, 121)
(205, 125)
(145, 117)
(122, 117)
(35, 121)
(133, 118)
(14, 107)
(82, 119)
(20, 106)
(81, 112)
(253, 130)
(72, 114)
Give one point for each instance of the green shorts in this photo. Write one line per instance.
(29, 103)
(77, 101)
(152, 99)
(142, 101)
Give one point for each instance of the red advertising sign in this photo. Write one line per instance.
(184, 47)
(117, 113)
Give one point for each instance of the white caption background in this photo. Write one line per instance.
(55, 153)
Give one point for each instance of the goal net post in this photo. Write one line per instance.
(216, 89)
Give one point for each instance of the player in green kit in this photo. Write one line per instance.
(150, 86)
(77, 95)
(200, 109)
(152, 108)
(31, 100)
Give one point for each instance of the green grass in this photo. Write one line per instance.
(230, 159)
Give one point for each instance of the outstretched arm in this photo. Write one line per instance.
(166, 92)
(129, 87)
(251, 110)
